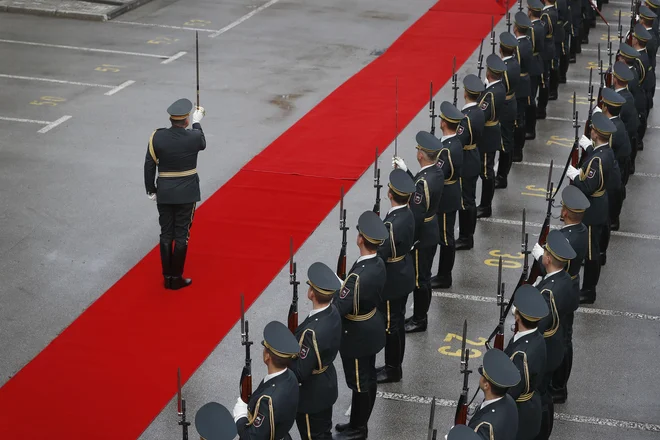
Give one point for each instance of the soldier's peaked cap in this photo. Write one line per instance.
(622, 72)
(559, 247)
(646, 12)
(473, 84)
(499, 370)
(628, 51)
(450, 113)
(214, 422)
(427, 142)
(522, 20)
(462, 432)
(603, 124)
(534, 5)
(508, 40)
(610, 97)
(322, 279)
(574, 199)
(495, 63)
(279, 339)
(180, 109)
(371, 227)
(641, 33)
(401, 183)
(530, 303)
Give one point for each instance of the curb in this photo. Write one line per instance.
(121, 8)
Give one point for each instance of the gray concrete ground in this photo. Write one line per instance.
(75, 217)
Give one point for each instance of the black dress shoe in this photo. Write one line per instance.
(441, 282)
(640, 146)
(167, 282)
(559, 397)
(351, 434)
(603, 258)
(486, 211)
(615, 225)
(552, 96)
(588, 296)
(572, 60)
(341, 427)
(180, 282)
(540, 114)
(416, 326)
(388, 375)
(530, 136)
(517, 156)
(464, 244)
(500, 182)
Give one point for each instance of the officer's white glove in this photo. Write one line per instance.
(637, 18)
(538, 281)
(198, 114)
(585, 142)
(537, 251)
(397, 162)
(597, 110)
(240, 410)
(513, 310)
(593, 2)
(152, 197)
(572, 172)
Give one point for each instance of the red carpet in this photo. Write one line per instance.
(111, 372)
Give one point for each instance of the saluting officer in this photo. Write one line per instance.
(538, 34)
(450, 160)
(429, 185)
(509, 53)
(492, 103)
(469, 132)
(271, 410)
(395, 252)
(591, 179)
(527, 351)
(621, 75)
(521, 27)
(363, 325)
(556, 287)
(574, 204)
(549, 22)
(214, 422)
(319, 337)
(497, 417)
(176, 189)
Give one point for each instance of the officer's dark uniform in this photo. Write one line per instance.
(395, 252)
(528, 353)
(575, 14)
(654, 6)
(523, 92)
(549, 55)
(214, 422)
(429, 186)
(497, 420)
(461, 432)
(622, 74)
(363, 326)
(319, 337)
(450, 160)
(273, 405)
(562, 50)
(508, 115)
(557, 290)
(578, 237)
(174, 152)
(592, 181)
(588, 21)
(652, 45)
(536, 72)
(492, 103)
(648, 82)
(630, 57)
(469, 132)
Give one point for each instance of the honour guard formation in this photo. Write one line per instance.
(360, 312)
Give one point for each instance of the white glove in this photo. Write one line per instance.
(597, 110)
(585, 142)
(593, 2)
(513, 310)
(152, 197)
(198, 114)
(397, 162)
(538, 281)
(537, 251)
(240, 410)
(572, 172)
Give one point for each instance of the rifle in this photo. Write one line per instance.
(454, 82)
(545, 229)
(608, 73)
(432, 432)
(396, 116)
(341, 262)
(508, 17)
(293, 309)
(480, 59)
(574, 156)
(462, 408)
(620, 28)
(246, 374)
(498, 333)
(492, 32)
(432, 109)
(197, 62)
(181, 406)
(520, 7)
(377, 184)
(524, 244)
(634, 10)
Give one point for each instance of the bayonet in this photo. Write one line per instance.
(480, 59)
(454, 81)
(377, 184)
(246, 374)
(508, 17)
(431, 419)
(492, 32)
(341, 262)
(197, 62)
(293, 309)
(181, 407)
(396, 116)
(432, 109)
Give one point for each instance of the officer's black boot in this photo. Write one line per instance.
(530, 119)
(166, 263)
(421, 303)
(373, 392)
(604, 244)
(392, 369)
(591, 276)
(553, 91)
(445, 266)
(487, 192)
(465, 239)
(573, 50)
(501, 179)
(543, 101)
(563, 67)
(178, 262)
(356, 429)
(518, 142)
(585, 31)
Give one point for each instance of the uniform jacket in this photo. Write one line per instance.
(628, 113)
(358, 299)
(563, 25)
(620, 140)
(648, 82)
(271, 410)
(319, 337)
(469, 132)
(592, 182)
(635, 87)
(497, 421)
(575, 9)
(538, 32)
(429, 186)
(395, 252)
(492, 104)
(652, 47)
(511, 80)
(450, 161)
(578, 236)
(549, 20)
(528, 353)
(523, 90)
(175, 150)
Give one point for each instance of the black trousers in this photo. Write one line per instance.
(422, 294)
(544, 88)
(530, 111)
(469, 192)
(360, 373)
(394, 311)
(447, 223)
(519, 129)
(487, 175)
(317, 426)
(592, 260)
(506, 155)
(561, 374)
(175, 222)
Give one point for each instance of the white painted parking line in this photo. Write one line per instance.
(121, 86)
(599, 421)
(54, 124)
(165, 26)
(243, 18)
(561, 167)
(555, 118)
(173, 57)
(85, 49)
(29, 121)
(57, 81)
